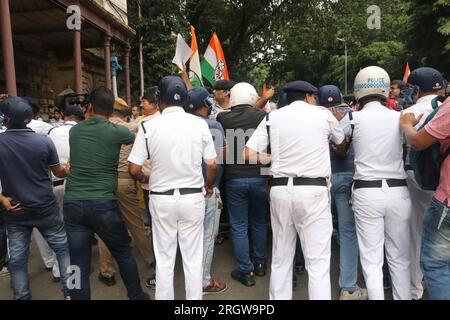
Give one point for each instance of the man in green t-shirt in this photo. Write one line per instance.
(90, 204)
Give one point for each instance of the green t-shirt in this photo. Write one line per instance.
(94, 154)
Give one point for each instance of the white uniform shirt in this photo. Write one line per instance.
(147, 163)
(377, 140)
(40, 127)
(177, 143)
(60, 137)
(422, 106)
(299, 137)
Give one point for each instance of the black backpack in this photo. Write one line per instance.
(427, 163)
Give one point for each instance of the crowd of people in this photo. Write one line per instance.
(197, 152)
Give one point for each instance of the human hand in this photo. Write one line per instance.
(269, 93)
(209, 191)
(9, 206)
(409, 119)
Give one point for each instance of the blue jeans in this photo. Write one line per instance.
(103, 217)
(435, 251)
(3, 242)
(348, 262)
(211, 228)
(51, 226)
(247, 205)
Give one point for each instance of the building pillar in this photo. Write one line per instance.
(107, 46)
(127, 75)
(8, 48)
(77, 61)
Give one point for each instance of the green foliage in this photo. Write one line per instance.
(276, 41)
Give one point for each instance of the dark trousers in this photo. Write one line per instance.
(102, 217)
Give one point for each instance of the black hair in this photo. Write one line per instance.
(151, 95)
(102, 99)
(292, 96)
(399, 83)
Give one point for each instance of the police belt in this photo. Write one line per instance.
(58, 183)
(359, 184)
(183, 191)
(298, 181)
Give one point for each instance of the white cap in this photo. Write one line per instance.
(243, 93)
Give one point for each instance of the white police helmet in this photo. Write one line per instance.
(372, 82)
(243, 93)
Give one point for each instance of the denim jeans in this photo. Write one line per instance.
(348, 262)
(83, 218)
(247, 205)
(51, 226)
(211, 228)
(435, 252)
(3, 242)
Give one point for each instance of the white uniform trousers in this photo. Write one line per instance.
(178, 218)
(302, 210)
(382, 219)
(420, 200)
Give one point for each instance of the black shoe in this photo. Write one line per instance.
(151, 282)
(260, 269)
(56, 279)
(246, 278)
(48, 269)
(109, 281)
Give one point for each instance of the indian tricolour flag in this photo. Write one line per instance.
(214, 66)
(195, 74)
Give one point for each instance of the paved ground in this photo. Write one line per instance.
(43, 288)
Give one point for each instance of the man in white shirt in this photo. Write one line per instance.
(176, 143)
(38, 126)
(299, 136)
(428, 82)
(380, 198)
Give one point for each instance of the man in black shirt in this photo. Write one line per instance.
(246, 185)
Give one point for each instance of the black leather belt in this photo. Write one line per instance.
(183, 191)
(58, 183)
(408, 167)
(359, 184)
(299, 181)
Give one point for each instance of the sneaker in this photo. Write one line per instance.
(246, 278)
(358, 294)
(109, 281)
(151, 282)
(215, 287)
(260, 269)
(67, 296)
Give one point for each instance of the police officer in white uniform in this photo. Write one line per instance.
(380, 198)
(428, 82)
(299, 137)
(175, 143)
